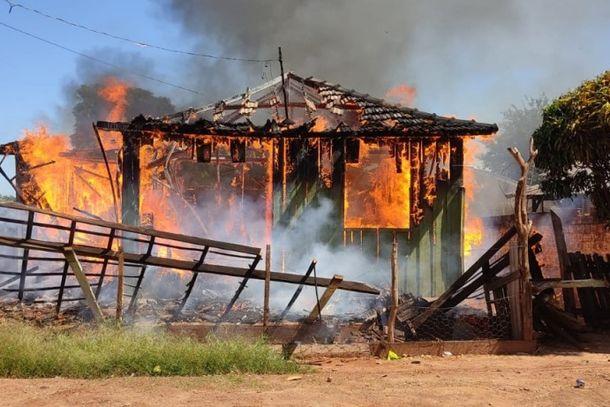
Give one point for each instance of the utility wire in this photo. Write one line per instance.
(100, 61)
(129, 40)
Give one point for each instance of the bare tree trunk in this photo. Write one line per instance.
(524, 228)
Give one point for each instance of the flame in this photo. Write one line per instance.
(321, 124)
(66, 181)
(473, 224)
(402, 94)
(114, 92)
(376, 194)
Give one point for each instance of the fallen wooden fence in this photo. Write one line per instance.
(94, 241)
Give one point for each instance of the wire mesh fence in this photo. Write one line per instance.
(457, 324)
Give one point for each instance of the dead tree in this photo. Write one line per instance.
(524, 227)
(522, 223)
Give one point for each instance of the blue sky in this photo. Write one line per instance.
(34, 74)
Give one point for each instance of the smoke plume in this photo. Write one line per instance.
(464, 56)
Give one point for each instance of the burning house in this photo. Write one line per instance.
(247, 168)
(258, 160)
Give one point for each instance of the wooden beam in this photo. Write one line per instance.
(134, 258)
(569, 302)
(328, 293)
(514, 296)
(239, 290)
(499, 282)
(463, 279)
(436, 348)
(191, 284)
(134, 229)
(120, 285)
(77, 269)
(26, 252)
(556, 283)
(296, 294)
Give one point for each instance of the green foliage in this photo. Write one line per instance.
(516, 127)
(26, 351)
(574, 144)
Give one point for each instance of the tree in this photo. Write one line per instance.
(574, 144)
(516, 127)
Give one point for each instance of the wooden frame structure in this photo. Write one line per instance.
(93, 243)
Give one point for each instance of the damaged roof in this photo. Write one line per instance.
(315, 107)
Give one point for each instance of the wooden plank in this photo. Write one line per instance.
(24, 261)
(514, 297)
(239, 290)
(77, 269)
(585, 295)
(191, 284)
(557, 283)
(296, 294)
(436, 348)
(120, 285)
(64, 276)
(136, 229)
(503, 281)
(569, 302)
(421, 318)
(328, 293)
(104, 264)
(89, 251)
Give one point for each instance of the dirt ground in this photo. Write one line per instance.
(468, 380)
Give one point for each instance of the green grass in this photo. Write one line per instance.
(27, 351)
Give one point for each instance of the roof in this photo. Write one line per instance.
(316, 107)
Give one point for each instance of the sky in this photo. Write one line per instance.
(472, 59)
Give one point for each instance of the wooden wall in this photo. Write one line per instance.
(430, 253)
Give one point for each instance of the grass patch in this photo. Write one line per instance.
(27, 351)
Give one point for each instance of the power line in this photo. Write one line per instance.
(129, 40)
(100, 61)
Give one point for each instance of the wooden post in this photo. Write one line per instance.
(514, 296)
(569, 303)
(130, 180)
(267, 285)
(524, 227)
(77, 269)
(394, 290)
(120, 285)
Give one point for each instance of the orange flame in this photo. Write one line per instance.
(376, 194)
(114, 92)
(402, 94)
(473, 224)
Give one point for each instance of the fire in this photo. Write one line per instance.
(74, 181)
(402, 94)
(114, 92)
(376, 194)
(321, 124)
(473, 224)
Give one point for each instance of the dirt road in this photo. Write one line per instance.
(423, 381)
